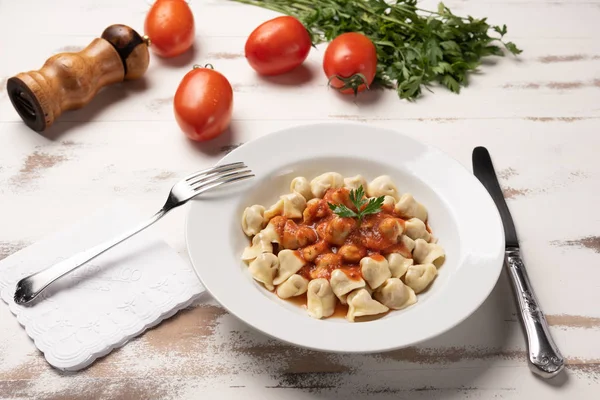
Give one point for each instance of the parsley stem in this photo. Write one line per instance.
(441, 15)
(384, 17)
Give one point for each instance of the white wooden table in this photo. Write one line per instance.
(538, 116)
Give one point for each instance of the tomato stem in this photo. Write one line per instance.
(196, 66)
(353, 82)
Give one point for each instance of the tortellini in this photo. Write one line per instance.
(310, 253)
(408, 243)
(391, 229)
(338, 230)
(295, 285)
(301, 185)
(352, 253)
(395, 294)
(263, 269)
(398, 264)
(389, 201)
(342, 284)
(261, 243)
(354, 182)
(315, 209)
(314, 242)
(416, 229)
(289, 263)
(320, 298)
(290, 205)
(375, 270)
(253, 219)
(418, 277)
(293, 205)
(295, 236)
(382, 186)
(428, 253)
(408, 207)
(324, 182)
(360, 304)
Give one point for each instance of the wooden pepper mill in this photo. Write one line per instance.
(68, 81)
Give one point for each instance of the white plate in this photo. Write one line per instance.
(461, 214)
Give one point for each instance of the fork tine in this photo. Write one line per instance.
(204, 187)
(220, 176)
(220, 168)
(204, 177)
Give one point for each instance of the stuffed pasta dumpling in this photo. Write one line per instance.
(301, 185)
(320, 298)
(324, 182)
(408, 207)
(398, 264)
(253, 219)
(375, 270)
(354, 182)
(382, 186)
(342, 284)
(428, 253)
(261, 243)
(360, 304)
(418, 277)
(263, 269)
(290, 262)
(290, 205)
(416, 229)
(295, 285)
(395, 294)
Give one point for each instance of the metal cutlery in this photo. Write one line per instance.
(189, 187)
(544, 357)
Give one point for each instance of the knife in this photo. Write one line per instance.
(544, 358)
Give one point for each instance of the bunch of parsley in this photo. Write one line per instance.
(415, 47)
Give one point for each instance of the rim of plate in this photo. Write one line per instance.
(213, 218)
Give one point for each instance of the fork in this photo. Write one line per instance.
(199, 182)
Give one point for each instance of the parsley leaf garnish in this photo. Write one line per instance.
(364, 206)
(415, 47)
(342, 211)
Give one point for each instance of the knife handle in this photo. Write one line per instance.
(544, 356)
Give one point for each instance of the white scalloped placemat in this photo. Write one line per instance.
(107, 302)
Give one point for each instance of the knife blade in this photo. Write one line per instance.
(544, 357)
(484, 171)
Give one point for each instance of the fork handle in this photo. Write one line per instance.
(31, 286)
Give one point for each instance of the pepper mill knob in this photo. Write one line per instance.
(69, 81)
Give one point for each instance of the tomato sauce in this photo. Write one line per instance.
(341, 310)
(328, 242)
(300, 301)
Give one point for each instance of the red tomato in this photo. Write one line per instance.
(170, 26)
(278, 46)
(203, 104)
(346, 56)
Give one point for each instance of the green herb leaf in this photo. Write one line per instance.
(501, 31)
(442, 67)
(451, 83)
(510, 46)
(373, 206)
(415, 47)
(342, 210)
(358, 199)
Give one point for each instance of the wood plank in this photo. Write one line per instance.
(554, 20)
